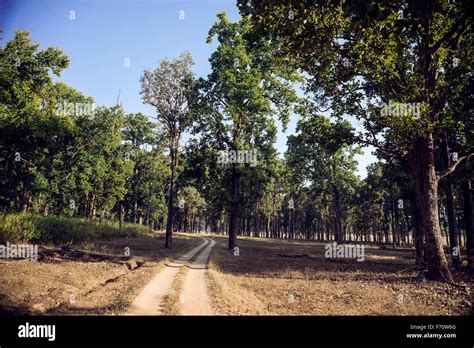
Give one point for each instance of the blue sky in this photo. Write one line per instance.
(101, 36)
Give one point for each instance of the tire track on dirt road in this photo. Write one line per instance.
(150, 299)
(194, 297)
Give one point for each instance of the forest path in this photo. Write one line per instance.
(194, 297)
(150, 300)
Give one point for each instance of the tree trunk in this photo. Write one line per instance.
(234, 210)
(26, 196)
(426, 188)
(148, 209)
(268, 226)
(450, 208)
(169, 222)
(469, 219)
(290, 224)
(418, 232)
(398, 230)
(136, 176)
(337, 207)
(122, 217)
(394, 223)
(93, 207)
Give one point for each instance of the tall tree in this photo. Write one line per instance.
(169, 88)
(138, 132)
(27, 117)
(241, 97)
(361, 54)
(323, 153)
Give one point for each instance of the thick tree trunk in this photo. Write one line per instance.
(234, 210)
(426, 188)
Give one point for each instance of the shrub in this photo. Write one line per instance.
(17, 228)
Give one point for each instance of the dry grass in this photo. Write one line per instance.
(78, 287)
(259, 281)
(171, 302)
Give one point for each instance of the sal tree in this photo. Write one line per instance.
(240, 99)
(322, 153)
(139, 132)
(361, 54)
(169, 88)
(27, 117)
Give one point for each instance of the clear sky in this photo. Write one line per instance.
(111, 42)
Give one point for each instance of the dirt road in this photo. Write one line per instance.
(194, 298)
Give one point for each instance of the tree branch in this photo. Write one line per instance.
(447, 36)
(453, 166)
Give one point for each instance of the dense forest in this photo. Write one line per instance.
(396, 77)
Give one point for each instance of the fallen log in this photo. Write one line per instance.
(67, 252)
(297, 256)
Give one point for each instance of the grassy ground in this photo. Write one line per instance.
(261, 282)
(269, 277)
(172, 302)
(85, 287)
(29, 228)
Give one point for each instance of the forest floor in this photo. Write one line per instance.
(281, 277)
(86, 286)
(265, 277)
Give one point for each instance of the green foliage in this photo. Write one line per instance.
(27, 118)
(22, 228)
(61, 156)
(321, 156)
(358, 55)
(16, 228)
(245, 90)
(330, 62)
